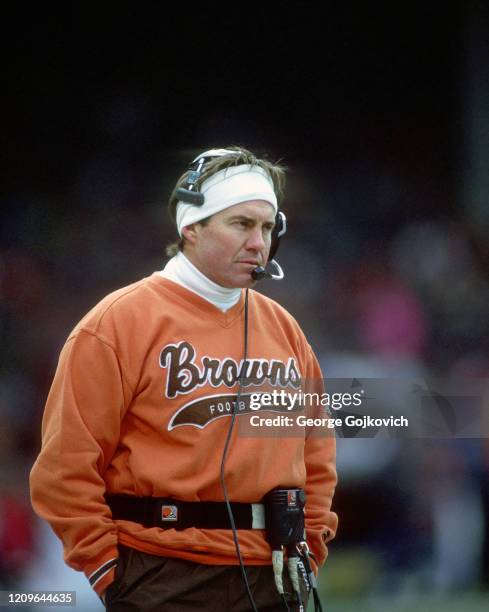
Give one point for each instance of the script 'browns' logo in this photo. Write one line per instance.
(184, 376)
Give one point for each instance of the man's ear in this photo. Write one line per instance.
(190, 233)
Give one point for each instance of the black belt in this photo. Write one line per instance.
(168, 513)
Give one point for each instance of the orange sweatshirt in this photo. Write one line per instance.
(122, 418)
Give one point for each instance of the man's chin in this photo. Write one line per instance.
(243, 281)
(248, 281)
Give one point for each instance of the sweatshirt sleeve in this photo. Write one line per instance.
(320, 460)
(80, 431)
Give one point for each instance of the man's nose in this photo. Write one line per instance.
(256, 241)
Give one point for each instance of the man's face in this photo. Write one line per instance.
(233, 243)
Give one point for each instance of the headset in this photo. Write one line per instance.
(191, 195)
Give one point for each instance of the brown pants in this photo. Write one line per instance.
(150, 583)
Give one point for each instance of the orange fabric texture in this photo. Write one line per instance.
(122, 417)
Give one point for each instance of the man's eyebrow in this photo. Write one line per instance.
(252, 219)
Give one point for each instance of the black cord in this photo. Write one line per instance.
(284, 601)
(317, 602)
(304, 557)
(223, 461)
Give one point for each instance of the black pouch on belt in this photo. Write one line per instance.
(284, 517)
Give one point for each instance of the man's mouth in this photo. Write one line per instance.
(250, 262)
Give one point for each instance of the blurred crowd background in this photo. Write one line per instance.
(383, 122)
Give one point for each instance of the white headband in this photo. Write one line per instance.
(226, 188)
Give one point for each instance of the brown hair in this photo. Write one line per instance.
(237, 156)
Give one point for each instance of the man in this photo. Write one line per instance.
(141, 433)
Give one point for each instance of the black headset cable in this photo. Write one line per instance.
(223, 461)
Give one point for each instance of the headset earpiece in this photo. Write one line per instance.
(278, 231)
(190, 197)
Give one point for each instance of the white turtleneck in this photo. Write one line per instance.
(180, 270)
